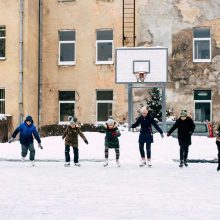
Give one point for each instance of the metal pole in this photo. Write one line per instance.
(164, 108)
(40, 42)
(130, 107)
(21, 61)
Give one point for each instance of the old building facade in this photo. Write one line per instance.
(67, 60)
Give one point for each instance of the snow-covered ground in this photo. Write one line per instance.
(92, 192)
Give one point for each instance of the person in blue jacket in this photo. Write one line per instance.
(27, 130)
(146, 134)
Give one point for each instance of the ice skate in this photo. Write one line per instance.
(118, 163)
(105, 163)
(149, 164)
(77, 164)
(67, 164)
(181, 163)
(143, 163)
(33, 163)
(22, 159)
(185, 163)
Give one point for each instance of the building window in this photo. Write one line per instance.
(2, 101)
(201, 45)
(203, 105)
(67, 47)
(2, 41)
(104, 46)
(104, 100)
(66, 105)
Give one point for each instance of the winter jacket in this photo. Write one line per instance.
(111, 136)
(26, 133)
(71, 136)
(185, 129)
(146, 134)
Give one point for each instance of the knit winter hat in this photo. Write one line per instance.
(144, 110)
(110, 122)
(72, 120)
(29, 118)
(183, 113)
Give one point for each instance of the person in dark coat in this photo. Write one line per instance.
(111, 140)
(71, 139)
(27, 130)
(185, 126)
(217, 132)
(146, 135)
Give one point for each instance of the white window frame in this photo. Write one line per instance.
(67, 63)
(104, 41)
(3, 58)
(103, 102)
(2, 100)
(210, 46)
(203, 101)
(65, 102)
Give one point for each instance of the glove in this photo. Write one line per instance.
(168, 134)
(40, 146)
(162, 135)
(86, 141)
(10, 140)
(190, 133)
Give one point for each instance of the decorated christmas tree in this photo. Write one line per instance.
(155, 103)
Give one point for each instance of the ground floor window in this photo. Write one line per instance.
(104, 100)
(2, 101)
(203, 105)
(66, 105)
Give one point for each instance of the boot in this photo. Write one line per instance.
(218, 168)
(105, 163)
(67, 164)
(118, 163)
(181, 163)
(149, 162)
(186, 163)
(33, 163)
(143, 162)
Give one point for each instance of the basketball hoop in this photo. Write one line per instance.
(140, 76)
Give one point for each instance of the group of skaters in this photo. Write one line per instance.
(184, 124)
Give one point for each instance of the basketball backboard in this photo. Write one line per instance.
(152, 61)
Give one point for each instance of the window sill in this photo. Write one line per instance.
(202, 61)
(104, 63)
(2, 58)
(65, 64)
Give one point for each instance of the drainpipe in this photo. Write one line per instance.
(21, 13)
(40, 61)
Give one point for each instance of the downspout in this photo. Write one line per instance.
(40, 61)
(21, 13)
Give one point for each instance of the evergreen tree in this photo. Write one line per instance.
(155, 103)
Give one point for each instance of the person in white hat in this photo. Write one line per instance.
(146, 134)
(111, 140)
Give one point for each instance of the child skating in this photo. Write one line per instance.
(71, 140)
(111, 140)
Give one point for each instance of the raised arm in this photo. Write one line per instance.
(136, 123)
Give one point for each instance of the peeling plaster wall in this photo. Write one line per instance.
(169, 23)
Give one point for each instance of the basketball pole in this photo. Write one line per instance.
(130, 106)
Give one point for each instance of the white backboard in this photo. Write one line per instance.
(153, 60)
